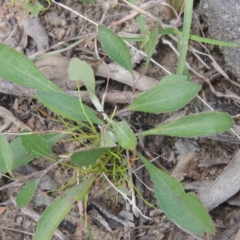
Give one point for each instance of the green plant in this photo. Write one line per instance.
(32, 6)
(106, 146)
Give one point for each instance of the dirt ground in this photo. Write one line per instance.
(195, 162)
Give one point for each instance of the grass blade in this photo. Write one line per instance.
(183, 44)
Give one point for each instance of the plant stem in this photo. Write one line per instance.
(183, 45)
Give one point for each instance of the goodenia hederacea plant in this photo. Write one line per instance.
(172, 93)
(16, 67)
(184, 209)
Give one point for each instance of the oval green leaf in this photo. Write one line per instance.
(34, 8)
(88, 157)
(21, 156)
(185, 210)
(171, 94)
(115, 47)
(6, 156)
(81, 71)
(108, 138)
(26, 193)
(59, 208)
(35, 144)
(196, 125)
(125, 135)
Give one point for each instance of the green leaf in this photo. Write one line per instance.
(33, 7)
(21, 156)
(185, 210)
(96, 103)
(183, 41)
(108, 138)
(52, 137)
(6, 156)
(151, 44)
(88, 157)
(196, 125)
(141, 21)
(35, 144)
(172, 93)
(55, 213)
(81, 71)
(125, 135)
(67, 106)
(115, 47)
(16, 67)
(197, 38)
(164, 31)
(212, 41)
(26, 193)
